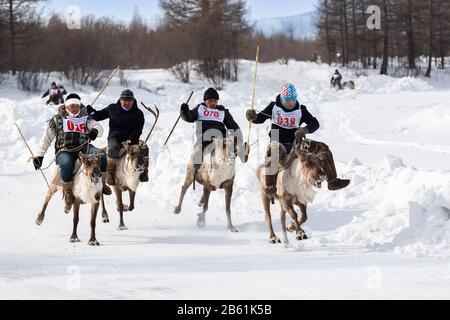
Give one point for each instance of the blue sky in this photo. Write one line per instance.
(123, 10)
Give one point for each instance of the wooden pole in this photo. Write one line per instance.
(176, 123)
(247, 151)
(105, 85)
(29, 149)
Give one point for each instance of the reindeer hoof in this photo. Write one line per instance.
(67, 208)
(93, 242)
(301, 235)
(201, 222)
(74, 239)
(39, 220)
(105, 220)
(233, 229)
(274, 240)
(122, 228)
(177, 210)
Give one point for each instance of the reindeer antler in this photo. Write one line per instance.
(155, 114)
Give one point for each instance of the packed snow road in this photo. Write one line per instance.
(385, 236)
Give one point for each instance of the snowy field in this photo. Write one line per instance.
(387, 236)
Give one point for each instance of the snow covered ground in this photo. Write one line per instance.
(385, 237)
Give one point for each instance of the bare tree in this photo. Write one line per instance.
(431, 35)
(20, 18)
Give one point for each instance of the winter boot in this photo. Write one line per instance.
(144, 175)
(68, 196)
(110, 177)
(330, 170)
(106, 189)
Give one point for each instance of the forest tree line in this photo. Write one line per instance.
(214, 34)
(410, 30)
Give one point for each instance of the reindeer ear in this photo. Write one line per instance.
(82, 156)
(127, 145)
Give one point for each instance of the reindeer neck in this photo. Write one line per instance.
(297, 172)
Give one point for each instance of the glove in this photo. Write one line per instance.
(93, 134)
(251, 115)
(301, 133)
(89, 109)
(37, 162)
(184, 108)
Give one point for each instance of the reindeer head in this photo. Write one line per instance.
(225, 149)
(135, 155)
(91, 166)
(311, 166)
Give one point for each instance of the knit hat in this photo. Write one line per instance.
(289, 92)
(127, 94)
(211, 93)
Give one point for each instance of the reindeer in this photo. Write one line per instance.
(216, 172)
(87, 188)
(299, 177)
(349, 85)
(130, 166)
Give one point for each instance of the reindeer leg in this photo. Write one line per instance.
(132, 197)
(94, 209)
(266, 204)
(201, 221)
(303, 219)
(187, 183)
(228, 194)
(41, 215)
(105, 217)
(119, 203)
(76, 218)
(283, 225)
(290, 208)
(202, 202)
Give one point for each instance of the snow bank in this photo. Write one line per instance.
(407, 210)
(385, 84)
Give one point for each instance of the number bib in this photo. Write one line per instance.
(54, 92)
(207, 114)
(286, 120)
(75, 125)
